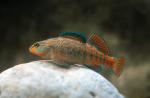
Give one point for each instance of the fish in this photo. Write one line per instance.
(74, 48)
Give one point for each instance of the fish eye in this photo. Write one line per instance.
(36, 45)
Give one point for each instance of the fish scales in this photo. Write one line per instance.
(70, 50)
(76, 52)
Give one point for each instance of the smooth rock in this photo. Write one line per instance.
(44, 79)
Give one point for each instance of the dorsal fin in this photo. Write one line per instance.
(74, 35)
(99, 43)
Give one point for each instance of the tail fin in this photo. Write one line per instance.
(118, 65)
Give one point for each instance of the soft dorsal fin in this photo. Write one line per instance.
(99, 43)
(74, 35)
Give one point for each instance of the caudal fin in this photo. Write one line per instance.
(118, 65)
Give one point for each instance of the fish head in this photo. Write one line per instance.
(42, 48)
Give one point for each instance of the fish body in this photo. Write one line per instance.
(64, 50)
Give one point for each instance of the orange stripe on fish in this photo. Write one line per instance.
(71, 50)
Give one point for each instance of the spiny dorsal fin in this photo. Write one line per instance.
(99, 43)
(74, 35)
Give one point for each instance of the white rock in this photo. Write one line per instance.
(44, 79)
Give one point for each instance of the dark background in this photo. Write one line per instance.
(125, 26)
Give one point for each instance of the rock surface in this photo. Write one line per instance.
(44, 79)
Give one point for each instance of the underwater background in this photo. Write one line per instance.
(125, 26)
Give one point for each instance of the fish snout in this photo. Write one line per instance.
(37, 50)
(32, 50)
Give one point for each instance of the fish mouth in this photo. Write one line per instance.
(33, 50)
